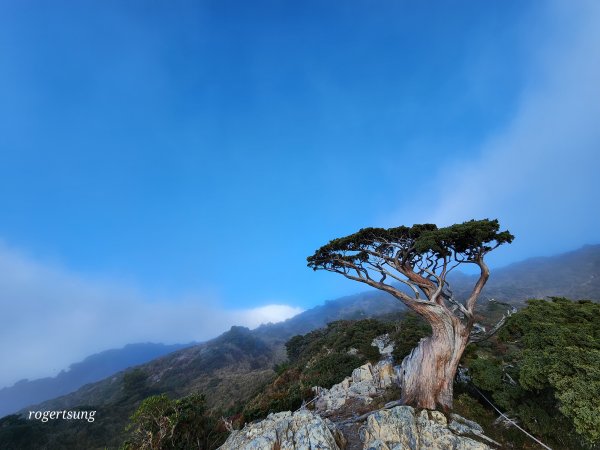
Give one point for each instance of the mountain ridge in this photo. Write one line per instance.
(511, 283)
(91, 369)
(232, 367)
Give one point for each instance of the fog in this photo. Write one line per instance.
(538, 174)
(52, 316)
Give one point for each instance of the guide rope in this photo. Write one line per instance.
(512, 422)
(305, 404)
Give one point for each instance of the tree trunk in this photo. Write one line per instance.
(427, 373)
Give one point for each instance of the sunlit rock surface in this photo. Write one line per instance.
(398, 428)
(365, 382)
(286, 431)
(403, 428)
(385, 346)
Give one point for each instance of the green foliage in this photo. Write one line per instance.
(545, 370)
(326, 356)
(296, 346)
(285, 393)
(510, 437)
(331, 369)
(341, 336)
(19, 433)
(150, 423)
(408, 334)
(560, 351)
(161, 423)
(281, 367)
(467, 240)
(135, 383)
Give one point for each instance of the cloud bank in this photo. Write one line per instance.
(539, 174)
(52, 317)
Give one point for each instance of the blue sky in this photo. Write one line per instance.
(183, 158)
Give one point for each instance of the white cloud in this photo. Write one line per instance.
(51, 317)
(539, 174)
(269, 313)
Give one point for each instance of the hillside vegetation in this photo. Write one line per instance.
(326, 356)
(544, 370)
(541, 369)
(91, 369)
(248, 373)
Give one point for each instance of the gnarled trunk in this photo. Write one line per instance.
(427, 373)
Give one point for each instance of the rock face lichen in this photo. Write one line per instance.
(365, 383)
(397, 428)
(403, 428)
(287, 431)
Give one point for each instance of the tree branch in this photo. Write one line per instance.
(478, 336)
(410, 302)
(483, 277)
(459, 306)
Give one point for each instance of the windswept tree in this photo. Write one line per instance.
(420, 258)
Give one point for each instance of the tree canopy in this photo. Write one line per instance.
(420, 256)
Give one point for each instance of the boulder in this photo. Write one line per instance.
(384, 345)
(287, 431)
(362, 373)
(364, 383)
(403, 428)
(385, 374)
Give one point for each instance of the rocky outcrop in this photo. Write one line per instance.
(365, 382)
(397, 428)
(286, 431)
(385, 345)
(403, 428)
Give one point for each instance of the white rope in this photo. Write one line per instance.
(510, 420)
(304, 404)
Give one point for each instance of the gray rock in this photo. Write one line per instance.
(364, 383)
(363, 373)
(461, 426)
(384, 345)
(385, 374)
(402, 428)
(396, 426)
(301, 430)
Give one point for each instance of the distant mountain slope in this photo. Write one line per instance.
(92, 368)
(574, 275)
(358, 306)
(228, 360)
(232, 367)
(228, 369)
